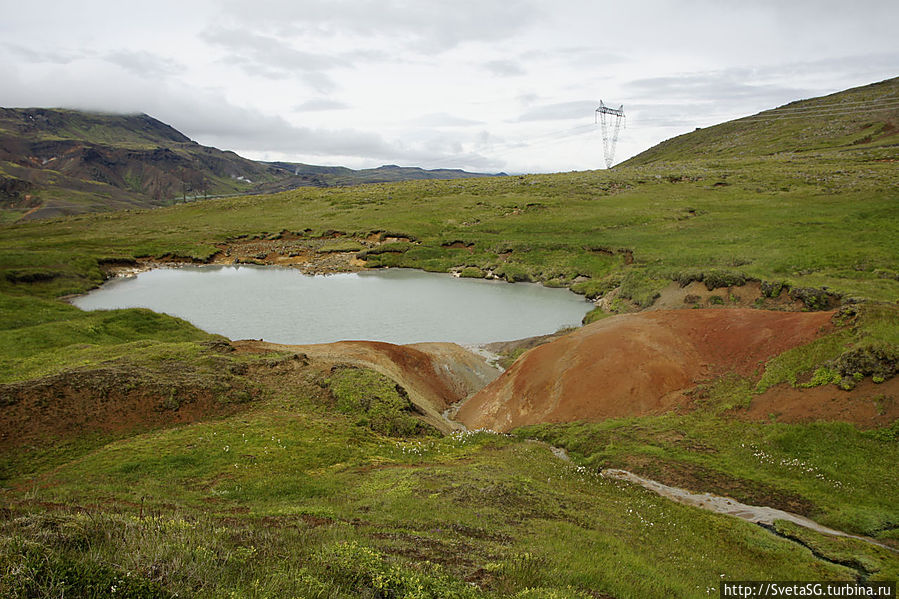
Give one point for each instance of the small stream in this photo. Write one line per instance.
(758, 514)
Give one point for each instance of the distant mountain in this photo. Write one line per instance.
(388, 173)
(55, 162)
(859, 118)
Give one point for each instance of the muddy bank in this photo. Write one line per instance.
(635, 364)
(331, 252)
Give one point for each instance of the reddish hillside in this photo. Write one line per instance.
(635, 364)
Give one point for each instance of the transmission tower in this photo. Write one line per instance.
(604, 115)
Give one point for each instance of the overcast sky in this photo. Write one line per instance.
(485, 85)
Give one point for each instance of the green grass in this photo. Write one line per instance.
(805, 126)
(46, 337)
(836, 474)
(292, 497)
(376, 401)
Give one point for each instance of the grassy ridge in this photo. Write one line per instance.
(770, 219)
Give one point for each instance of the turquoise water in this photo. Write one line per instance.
(282, 305)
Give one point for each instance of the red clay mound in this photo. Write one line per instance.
(635, 364)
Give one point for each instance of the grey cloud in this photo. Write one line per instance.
(141, 63)
(443, 119)
(144, 64)
(268, 49)
(699, 99)
(232, 127)
(270, 57)
(504, 68)
(703, 98)
(527, 99)
(44, 56)
(206, 117)
(320, 104)
(575, 55)
(429, 25)
(581, 109)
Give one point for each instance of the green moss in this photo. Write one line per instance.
(716, 279)
(472, 272)
(641, 287)
(823, 376)
(595, 315)
(376, 401)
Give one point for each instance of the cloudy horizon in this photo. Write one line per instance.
(480, 85)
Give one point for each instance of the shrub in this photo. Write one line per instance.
(514, 273)
(773, 289)
(397, 247)
(716, 279)
(824, 376)
(472, 272)
(594, 315)
(685, 277)
(594, 288)
(878, 360)
(640, 287)
(815, 298)
(39, 572)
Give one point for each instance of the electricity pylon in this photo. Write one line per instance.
(604, 115)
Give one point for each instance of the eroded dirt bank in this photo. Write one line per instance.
(435, 375)
(635, 364)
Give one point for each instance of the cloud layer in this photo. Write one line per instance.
(483, 84)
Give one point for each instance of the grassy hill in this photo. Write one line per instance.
(55, 162)
(846, 123)
(175, 464)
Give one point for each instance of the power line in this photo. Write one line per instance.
(889, 100)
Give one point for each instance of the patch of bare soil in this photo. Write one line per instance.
(435, 375)
(635, 364)
(697, 295)
(108, 400)
(869, 405)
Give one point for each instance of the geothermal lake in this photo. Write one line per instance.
(282, 305)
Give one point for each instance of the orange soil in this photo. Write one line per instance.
(868, 405)
(435, 375)
(102, 402)
(635, 364)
